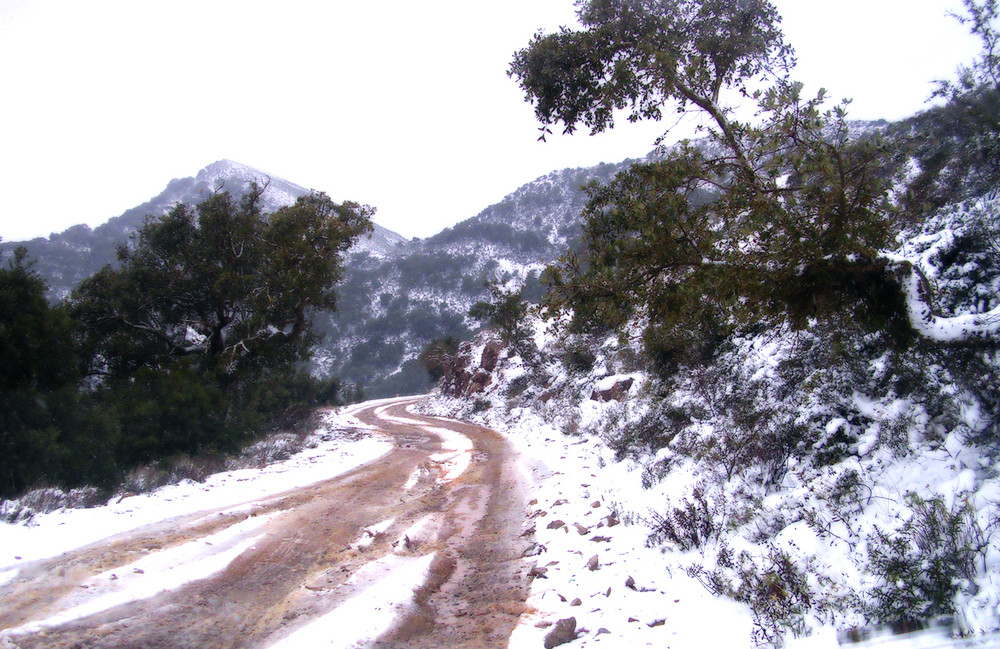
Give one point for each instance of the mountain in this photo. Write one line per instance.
(67, 258)
(391, 307)
(397, 295)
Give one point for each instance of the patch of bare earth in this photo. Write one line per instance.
(295, 573)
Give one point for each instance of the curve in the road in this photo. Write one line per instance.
(418, 548)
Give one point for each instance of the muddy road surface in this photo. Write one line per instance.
(418, 548)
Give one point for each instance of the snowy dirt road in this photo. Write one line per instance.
(417, 548)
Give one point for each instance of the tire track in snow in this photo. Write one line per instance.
(439, 571)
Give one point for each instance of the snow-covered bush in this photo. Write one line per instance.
(938, 553)
(48, 499)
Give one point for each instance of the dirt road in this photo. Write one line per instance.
(444, 504)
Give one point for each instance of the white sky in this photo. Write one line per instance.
(399, 104)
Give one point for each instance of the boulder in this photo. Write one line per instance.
(491, 355)
(616, 392)
(562, 632)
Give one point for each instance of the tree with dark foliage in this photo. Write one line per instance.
(782, 218)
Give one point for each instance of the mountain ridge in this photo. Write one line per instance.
(396, 294)
(66, 258)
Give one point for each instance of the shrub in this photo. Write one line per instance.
(922, 567)
(579, 359)
(653, 431)
(688, 526)
(774, 587)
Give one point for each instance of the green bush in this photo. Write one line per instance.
(774, 587)
(922, 567)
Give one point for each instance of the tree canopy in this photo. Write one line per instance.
(221, 283)
(783, 215)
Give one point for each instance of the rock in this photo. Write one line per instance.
(534, 550)
(612, 521)
(630, 583)
(632, 619)
(537, 572)
(601, 631)
(601, 539)
(593, 563)
(491, 354)
(608, 594)
(564, 631)
(581, 530)
(529, 531)
(576, 602)
(595, 504)
(656, 623)
(480, 380)
(544, 624)
(556, 524)
(561, 501)
(616, 392)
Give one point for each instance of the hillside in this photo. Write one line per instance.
(393, 306)
(793, 469)
(397, 295)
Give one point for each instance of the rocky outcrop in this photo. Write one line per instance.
(617, 392)
(466, 375)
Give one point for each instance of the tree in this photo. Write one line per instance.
(198, 339)
(437, 356)
(957, 145)
(36, 338)
(222, 284)
(42, 414)
(782, 217)
(507, 312)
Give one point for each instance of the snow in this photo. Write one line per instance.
(455, 454)
(944, 329)
(370, 533)
(373, 597)
(165, 570)
(904, 449)
(666, 607)
(60, 531)
(386, 587)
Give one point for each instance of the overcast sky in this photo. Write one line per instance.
(399, 104)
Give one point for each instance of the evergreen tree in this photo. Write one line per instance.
(507, 312)
(42, 413)
(199, 337)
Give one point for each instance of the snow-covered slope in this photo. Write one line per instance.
(824, 479)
